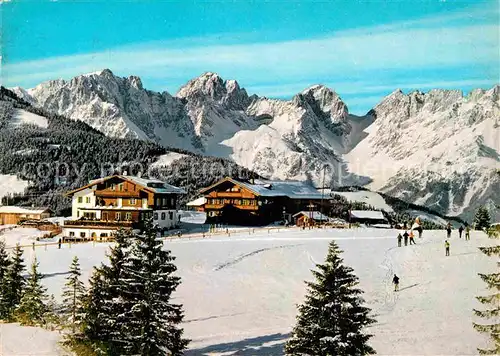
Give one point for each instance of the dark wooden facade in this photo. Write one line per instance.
(228, 202)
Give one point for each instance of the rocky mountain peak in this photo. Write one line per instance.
(210, 86)
(324, 102)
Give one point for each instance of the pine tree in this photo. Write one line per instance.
(32, 307)
(332, 318)
(103, 308)
(482, 218)
(13, 284)
(4, 267)
(151, 321)
(4, 260)
(73, 294)
(492, 301)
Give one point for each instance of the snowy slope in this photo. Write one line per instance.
(11, 184)
(370, 198)
(21, 117)
(240, 292)
(167, 159)
(16, 340)
(438, 149)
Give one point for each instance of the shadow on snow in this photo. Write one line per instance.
(248, 347)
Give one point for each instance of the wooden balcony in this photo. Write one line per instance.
(117, 194)
(221, 206)
(228, 194)
(102, 223)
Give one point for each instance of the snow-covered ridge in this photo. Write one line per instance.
(438, 148)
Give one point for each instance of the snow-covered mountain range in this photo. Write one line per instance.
(439, 149)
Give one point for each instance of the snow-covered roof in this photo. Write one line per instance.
(10, 209)
(316, 215)
(155, 185)
(367, 214)
(197, 202)
(276, 188)
(152, 184)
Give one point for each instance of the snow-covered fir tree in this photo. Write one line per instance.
(73, 295)
(4, 267)
(94, 328)
(4, 260)
(151, 321)
(332, 319)
(491, 316)
(482, 218)
(13, 284)
(32, 307)
(104, 305)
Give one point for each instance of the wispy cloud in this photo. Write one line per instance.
(437, 42)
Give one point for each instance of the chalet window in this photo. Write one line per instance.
(156, 216)
(80, 200)
(87, 200)
(118, 216)
(171, 215)
(82, 234)
(105, 216)
(133, 201)
(128, 216)
(104, 234)
(165, 202)
(120, 187)
(158, 202)
(78, 213)
(163, 215)
(112, 186)
(172, 202)
(71, 234)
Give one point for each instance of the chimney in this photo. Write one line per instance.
(124, 173)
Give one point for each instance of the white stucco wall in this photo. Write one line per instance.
(88, 232)
(75, 205)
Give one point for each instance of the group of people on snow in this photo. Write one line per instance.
(408, 236)
(411, 237)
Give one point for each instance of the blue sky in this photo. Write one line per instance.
(362, 49)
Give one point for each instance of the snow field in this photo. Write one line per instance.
(11, 184)
(25, 117)
(240, 293)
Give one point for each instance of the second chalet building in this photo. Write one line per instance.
(120, 201)
(257, 202)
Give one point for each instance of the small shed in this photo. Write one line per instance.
(197, 204)
(11, 215)
(368, 217)
(307, 218)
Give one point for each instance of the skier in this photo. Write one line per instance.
(448, 230)
(460, 229)
(400, 237)
(447, 247)
(412, 238)
(395, 281)
(420, 230)
(405, 235)
(467, 232)
(59, 243)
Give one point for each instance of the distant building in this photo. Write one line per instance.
(309, 218)
(367, 217)
(197, 204)
(11, 215)
(257, 202)
(107, 204)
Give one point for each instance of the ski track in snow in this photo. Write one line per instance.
(242, 257)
